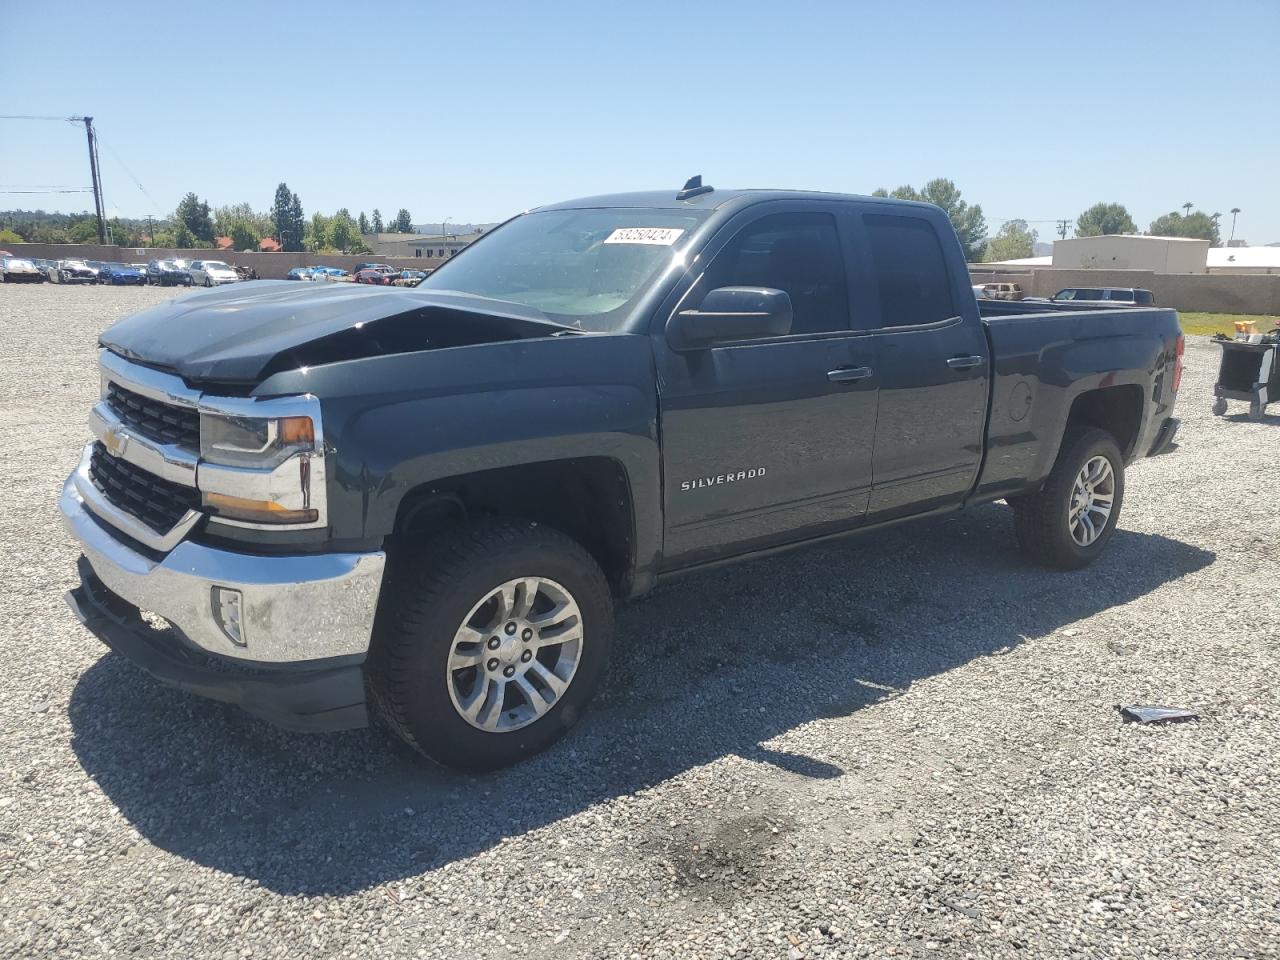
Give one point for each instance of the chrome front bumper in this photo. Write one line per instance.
(294, 608)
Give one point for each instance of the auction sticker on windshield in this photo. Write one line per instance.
(657, 236)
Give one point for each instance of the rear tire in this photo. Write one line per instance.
(1219, 407)
(1063, 525)
(1255, 410)
(436, 599)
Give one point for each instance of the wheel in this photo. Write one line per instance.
(1069, 521)
(1255, 409)
(208, 282)
(1219, 407)
(488, 647)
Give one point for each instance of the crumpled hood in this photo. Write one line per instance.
(234, 334)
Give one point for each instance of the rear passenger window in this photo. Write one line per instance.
(910, 270)
(796, 252)
(1143, 296)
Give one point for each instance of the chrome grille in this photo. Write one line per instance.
(160, 421)
(158, 503)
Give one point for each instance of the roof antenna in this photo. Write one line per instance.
(693, 188)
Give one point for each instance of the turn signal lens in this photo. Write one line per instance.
(1177, 362)
(297, 430)
(256, 511)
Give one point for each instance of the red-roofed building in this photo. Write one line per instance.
(269, 245)
(222, 243)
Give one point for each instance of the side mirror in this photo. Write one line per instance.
(731, 313)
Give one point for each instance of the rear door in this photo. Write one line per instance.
(769, 440)
(932, 364)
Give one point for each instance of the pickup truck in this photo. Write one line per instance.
(421, 505)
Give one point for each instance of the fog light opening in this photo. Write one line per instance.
(228, 609)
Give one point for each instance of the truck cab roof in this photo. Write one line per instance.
(713, 199)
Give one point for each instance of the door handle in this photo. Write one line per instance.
(848, 374)
(964, 363)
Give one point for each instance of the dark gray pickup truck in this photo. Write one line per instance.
(423, 503)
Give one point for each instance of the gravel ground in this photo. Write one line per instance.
(906, 745)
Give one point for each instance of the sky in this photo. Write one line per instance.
(478, 110)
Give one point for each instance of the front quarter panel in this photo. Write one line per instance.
(394, 423)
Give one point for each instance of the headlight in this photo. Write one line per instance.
(261, 470)
(258, 442)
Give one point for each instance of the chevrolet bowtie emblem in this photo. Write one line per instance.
(115, 441)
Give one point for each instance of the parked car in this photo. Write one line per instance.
(1106, 296)
(211, 273)
(45, 266)
(409, 278)
(121, 274)
(375, 277)
(327, 273)
(299, 273)
(19, 270)
(245, 273)
(1002, 291)
(542, 489)
(73, 271)
(167, 273)
(381, 267)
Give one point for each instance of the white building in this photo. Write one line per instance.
(1157, 254)
(1131, 252)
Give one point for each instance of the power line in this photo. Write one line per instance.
(70, 190)
(15, 116)
(136, 181)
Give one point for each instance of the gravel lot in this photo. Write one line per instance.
(906, 745)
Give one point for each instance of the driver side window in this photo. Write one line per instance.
(795, 252)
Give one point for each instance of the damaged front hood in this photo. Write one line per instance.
(240, 334)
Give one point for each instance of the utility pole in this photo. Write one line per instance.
(151, 232)
(96, 177)
(1063, 227)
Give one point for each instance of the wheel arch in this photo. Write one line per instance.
(586, 498)
(1116, 409)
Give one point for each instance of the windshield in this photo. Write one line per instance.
(582, 268)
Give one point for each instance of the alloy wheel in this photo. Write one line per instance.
(515, 654)
(1092, 499)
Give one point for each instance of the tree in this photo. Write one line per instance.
(1105, 218)
(403, 223)
(377, 221)
(226, 218)
(1235, 212)
(318, 232)
(83, 231)
(1197, 226)
(183, 238)
(8, 236)
(1187, 207)
(363, 223)
(193, 213)
(286, 217)
(968, 221)
(122, 234)
(244, 236)
(343, 231)
(1014, 241)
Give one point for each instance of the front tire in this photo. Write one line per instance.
(1219, 407)
(489, 646)
(1068, 522)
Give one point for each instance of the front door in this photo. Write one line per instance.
(769, 440)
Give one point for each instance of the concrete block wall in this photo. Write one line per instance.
(1198, 292)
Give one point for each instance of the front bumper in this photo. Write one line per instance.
(306, 620)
